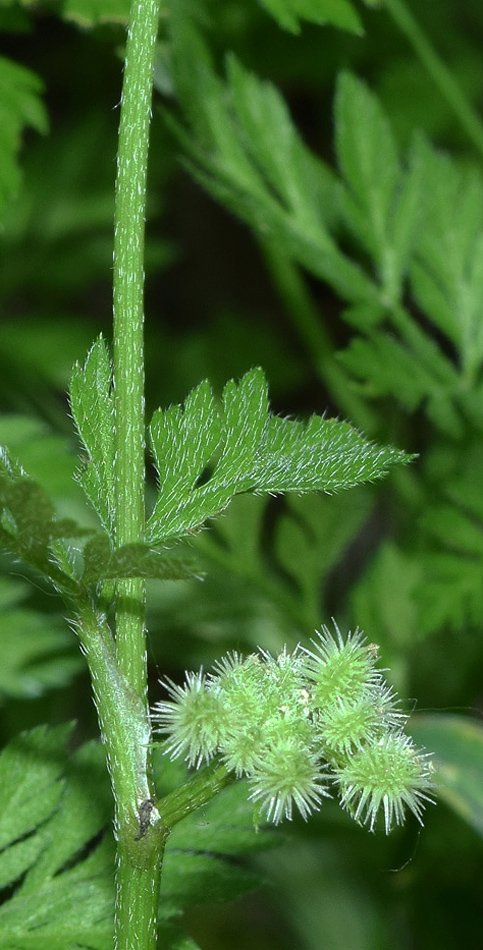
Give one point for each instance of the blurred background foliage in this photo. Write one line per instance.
(404, 562)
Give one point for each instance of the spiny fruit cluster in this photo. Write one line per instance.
(301, 726)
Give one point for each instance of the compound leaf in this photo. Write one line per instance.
(206, 454)
(65, 898)
(310, 539)
(456, 529)
(389, 366)
(63, 838)
(381, 202)
(303, 183)
(245, 150)
(26, 513)
(385, 601)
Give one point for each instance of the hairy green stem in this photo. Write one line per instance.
(140, 860)
(439, 72)
(140, 842)
(123, 720)
(140, 834)
(136, 928)
(128, 324)
(199, 790)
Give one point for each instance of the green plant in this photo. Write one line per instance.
(292, 723)
(295, 725)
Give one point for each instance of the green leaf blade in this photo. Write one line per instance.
(369, 162)
(320, 455)
(93, 411)
(29, 781)
(447, 274)
(196, 426)
(26, 514)
(245, 418)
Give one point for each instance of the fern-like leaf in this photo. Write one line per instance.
(206, 454)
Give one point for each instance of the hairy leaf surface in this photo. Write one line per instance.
(205, 454)
(93, 411)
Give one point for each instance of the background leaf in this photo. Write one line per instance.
(20, 105)
(89, 13)
(66, 896)
(339, 13)
(38, 652)
(197, 865)
(457, 742)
